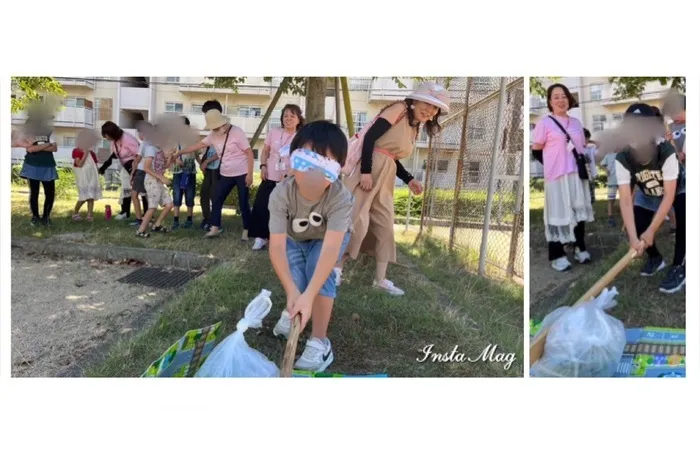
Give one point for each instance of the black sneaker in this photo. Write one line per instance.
(46, 222)
(36, 221)
(674, 281)
(176, 226)
(652, 266)
(136, 222)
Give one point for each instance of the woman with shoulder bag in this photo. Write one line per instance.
(559, 144)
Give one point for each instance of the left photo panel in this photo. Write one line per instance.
(267, 226)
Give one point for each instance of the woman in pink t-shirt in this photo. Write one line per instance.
(273, 169)
(236, 168)
(567, 205)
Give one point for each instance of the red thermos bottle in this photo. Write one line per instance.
(108, 212)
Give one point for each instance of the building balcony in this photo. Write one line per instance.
(248, 124)
(385, 89)
(83, 82)
(135, 99)
(253, 86)
(71, 117)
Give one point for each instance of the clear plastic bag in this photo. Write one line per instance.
(582, 341)
(233, 357)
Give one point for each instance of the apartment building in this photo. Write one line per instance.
(90, 101)
(598, 109)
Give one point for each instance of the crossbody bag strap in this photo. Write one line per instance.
(561, 127)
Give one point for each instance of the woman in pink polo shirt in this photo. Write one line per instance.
(273, 168)
(126, 148)
(231, 143)
(567, 205)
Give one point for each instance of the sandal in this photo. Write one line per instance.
(140, 234)
(77, 217)
(160, 229)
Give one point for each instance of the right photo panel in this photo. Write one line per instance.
(607, 226)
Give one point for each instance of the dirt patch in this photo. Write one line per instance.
(66, 311)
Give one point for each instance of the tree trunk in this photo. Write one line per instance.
(315, 99)
(268, 112)
(348, 106)
(338, 120)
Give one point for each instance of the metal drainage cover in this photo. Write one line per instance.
(157, 277)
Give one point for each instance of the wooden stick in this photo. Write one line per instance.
(537, 347)
(291, 350)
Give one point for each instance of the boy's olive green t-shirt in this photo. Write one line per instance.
(287, 205)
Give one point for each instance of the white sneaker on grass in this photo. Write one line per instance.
(259, 244)
(283, 326)
(583, 257)
(389, 287)
(317, 356)
(561, 265)
(121, 216)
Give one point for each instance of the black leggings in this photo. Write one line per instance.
(643, 218)
(126, 205)
(260, 217)
(556, 250)
(49, 196)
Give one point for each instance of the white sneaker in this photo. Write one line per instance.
(561, 265)
(259, 244)
(121, 216)
(389, 287)
(583, 257)
(283, 326)
(317, 356)
(338, 276)
(244, 237)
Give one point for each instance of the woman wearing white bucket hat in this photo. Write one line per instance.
(231, 143)
(373, 171)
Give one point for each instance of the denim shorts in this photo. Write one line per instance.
(303, 256)
(189, 191)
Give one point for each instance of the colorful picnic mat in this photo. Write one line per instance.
(650, 352)
(184, 357)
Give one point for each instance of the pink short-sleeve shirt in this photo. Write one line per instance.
(558, 160)
(234, 161)
(276, 139)
(126, 148)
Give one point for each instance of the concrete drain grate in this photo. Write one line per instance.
(157, 277)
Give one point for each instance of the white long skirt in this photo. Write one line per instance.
(125, 178)
(88, 181)
(567, 201)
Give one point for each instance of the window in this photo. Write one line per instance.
(69, 102)
(69, 142)
(249, 111)
(172, 79)
(196, 109)
(477, 129)
(360, 120)
(617, 117)
(173, 107)
(473, 170)
(599, 122)
(596, 92)
(443, 165)
(104, 108)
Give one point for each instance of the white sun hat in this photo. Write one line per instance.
(432, 93)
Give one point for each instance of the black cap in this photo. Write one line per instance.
(641, 109)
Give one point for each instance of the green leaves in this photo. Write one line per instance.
(633, 87)
(28, 90)
(537, 88)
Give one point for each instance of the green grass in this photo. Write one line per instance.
(639, 301)
(445, 305)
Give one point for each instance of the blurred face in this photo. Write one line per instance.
(220, 130)
(313, 182)
(290, 120)
(559, 101)
(679, 118)
(423, 112)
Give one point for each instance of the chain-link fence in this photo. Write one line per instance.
(473, 177)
